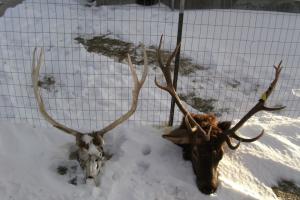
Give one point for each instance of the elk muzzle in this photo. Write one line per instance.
(208, 182)
(205, 166)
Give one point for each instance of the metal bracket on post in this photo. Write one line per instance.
(177, 59)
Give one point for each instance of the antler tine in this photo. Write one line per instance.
(189, 126)
(246, 139)
(266, 94)
(172, 56)
(230, 145)
(35, 80)
(165, 68)
(135, 94)
(196, 126)
(258, 107)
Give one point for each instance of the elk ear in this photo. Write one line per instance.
(178, 136)
(224, 125)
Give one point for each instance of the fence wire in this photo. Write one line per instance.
(237, 49)
(226, 61)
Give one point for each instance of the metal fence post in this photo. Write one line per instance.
(177, 59)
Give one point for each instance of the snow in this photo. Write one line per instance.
(87, 139)
(144, 166)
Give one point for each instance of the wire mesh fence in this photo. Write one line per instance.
(226, 60)
(237, 49)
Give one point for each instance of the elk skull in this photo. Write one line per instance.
(90, 155)
(201, 136)
(90, 152)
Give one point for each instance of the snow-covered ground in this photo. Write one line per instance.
(144, 166)
(91, 90)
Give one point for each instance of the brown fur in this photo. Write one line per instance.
(205, 121)
(205, 156)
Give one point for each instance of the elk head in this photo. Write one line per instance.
(202, 136)
(90, 152)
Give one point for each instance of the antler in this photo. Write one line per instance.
(37, 93)
(135, 95)
(258, 107)
(165, 68)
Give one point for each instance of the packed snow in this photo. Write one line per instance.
(91, 90)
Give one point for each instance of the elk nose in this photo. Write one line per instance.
(208, 189)
(90, 177)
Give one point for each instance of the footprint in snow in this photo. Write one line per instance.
(143, 166)
(146, 150)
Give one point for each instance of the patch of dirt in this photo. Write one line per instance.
(62, 170)
(118, 50)
(202, 105)
(287, 190)
(109, 47)
(233, 83)
(72, 171)
(187, 67)
(4, 4)
(47, 82)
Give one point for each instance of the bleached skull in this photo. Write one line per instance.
(91, 155)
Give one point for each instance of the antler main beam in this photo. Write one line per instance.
(135, 94)
(260, 106)
(36, 66)
(165, 68)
